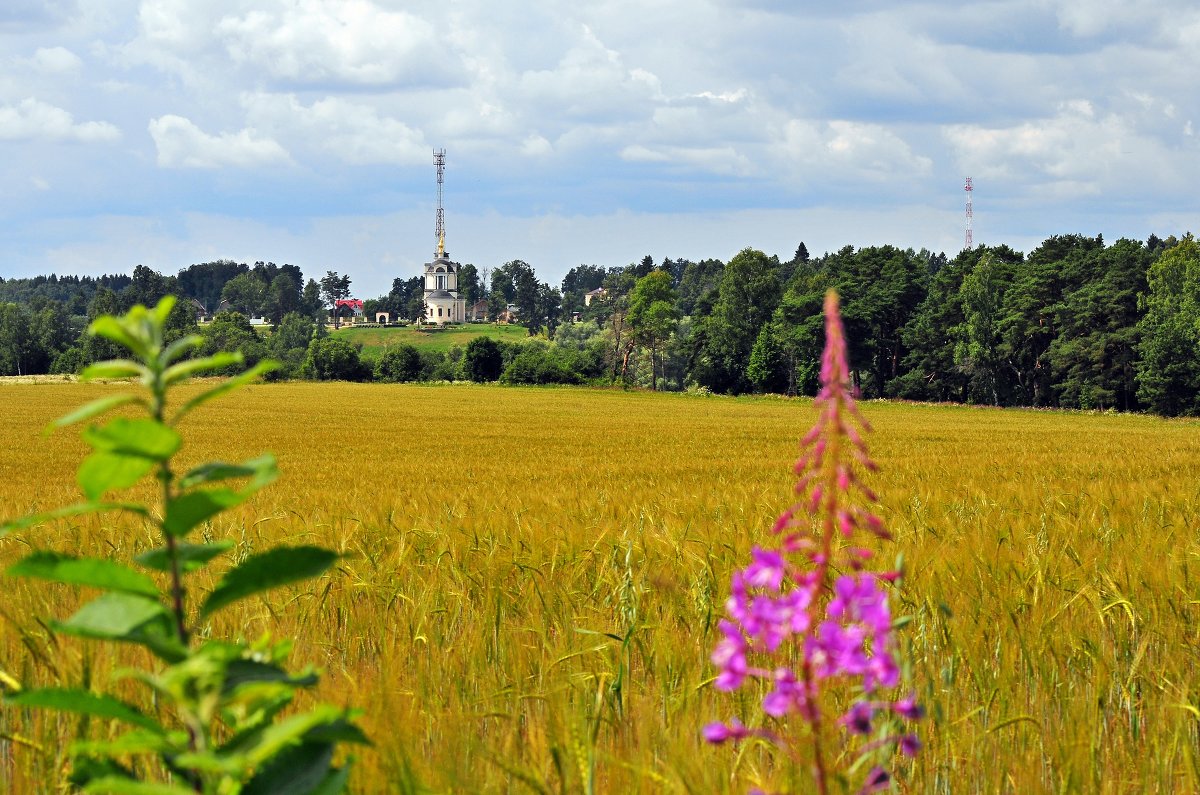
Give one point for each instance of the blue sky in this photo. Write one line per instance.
(167, 132)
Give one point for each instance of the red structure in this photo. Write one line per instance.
(353, 303)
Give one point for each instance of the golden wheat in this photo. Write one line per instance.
(533, 578)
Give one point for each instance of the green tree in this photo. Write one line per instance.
(747, 296)
(1094, 355)
(245, 294)
(310, 302)
(231, 331)
(16, 343)
(469, 287)
(205, 281)
(1028, 319)
(652, 315)
(977, 338)
(333, 359)
(483, 360)
(399, 363)
(281, 297)
(1168, 375)
(289, 342)
(525, 294)
(334, 288)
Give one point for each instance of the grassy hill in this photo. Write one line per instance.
(375, 339)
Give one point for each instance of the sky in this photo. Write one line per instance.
(170, 132)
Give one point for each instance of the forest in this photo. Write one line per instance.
(1076, 323)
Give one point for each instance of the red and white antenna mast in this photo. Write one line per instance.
(968, 242)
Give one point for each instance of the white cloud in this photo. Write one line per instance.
(591, 81)
(352, 41)
(181, 144)
(847, 151)
(56, 60)
(353, 132)
(713, 159)
(536, 146)
(1078, 150)
(33, 119)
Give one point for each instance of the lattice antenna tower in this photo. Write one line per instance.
(439, 160)
(969, 241)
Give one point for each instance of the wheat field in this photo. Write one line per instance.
(532, 579)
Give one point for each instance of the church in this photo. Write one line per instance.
(443, 303)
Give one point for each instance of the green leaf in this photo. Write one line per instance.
(242, 672)
(335, 782)
(93, 409)
(158, 635)
(122, 334)
(180, 347)
(162, 311)
(182, 370)
(267, 570)
(136, 741)
(214, 471)
(297, 770)
(93, 572)
(101, 472)
(70, 510)
(189, 510)
(265, 366)
(192, 557)
(113, 368)
(340, 731)
(112, 616)
(143, 437)
(113, 785)
(85, 703)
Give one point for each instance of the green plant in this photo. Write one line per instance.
(219, 725)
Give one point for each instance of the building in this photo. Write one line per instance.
(598, 294)
(442, 301)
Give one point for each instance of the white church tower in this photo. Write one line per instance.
(442, 302)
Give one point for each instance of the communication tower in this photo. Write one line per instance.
(968, 242)
(439, 160)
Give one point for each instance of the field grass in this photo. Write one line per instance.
(1053, 581)
(375, 340)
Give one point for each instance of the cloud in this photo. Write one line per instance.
(341, 41)
(181, 144)
(840, 151)
(713, 159)
(591, 82)
(353, 132)
(56, 60)
(1080, 150)
(33, 119)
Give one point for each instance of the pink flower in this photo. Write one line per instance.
(841, 624)
(717, 733)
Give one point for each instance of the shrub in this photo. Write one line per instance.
(399, 363)
(333, 359)
(483, 360)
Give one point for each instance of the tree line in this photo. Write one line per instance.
(1076, 323)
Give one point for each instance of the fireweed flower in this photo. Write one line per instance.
(813, 592)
